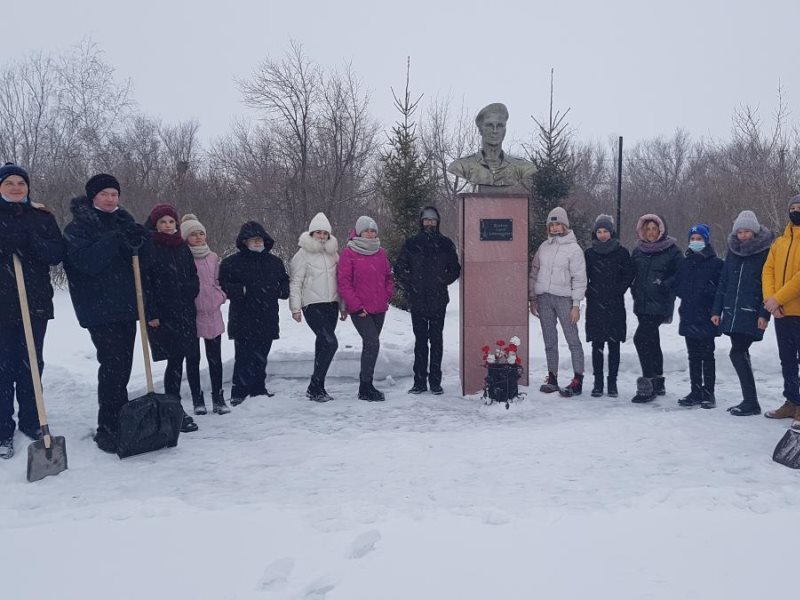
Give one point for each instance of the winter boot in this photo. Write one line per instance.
(317, 394)
(7, 448)
(611, 386)
(597, 390)
(106, 441)
(418, 388)
(550, 384)
(745, 410)
(787, 411)
(659, 386)
(188, 425)
(218, 403)
(436, 389)
(645, 391)
(237, 400)
(744, 370)
(367, 391)
(575, 387)
(199, 403)
(708, 400)
(693, 398)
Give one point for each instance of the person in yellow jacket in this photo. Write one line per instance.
(780, 281)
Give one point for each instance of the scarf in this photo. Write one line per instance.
(606, 247)
(364, 246)
(200, 251)
(657, 246)
(168, 240)
(761, 241)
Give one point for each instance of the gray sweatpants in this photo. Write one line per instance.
(558, 307)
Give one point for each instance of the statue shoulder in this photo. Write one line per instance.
(462, 166)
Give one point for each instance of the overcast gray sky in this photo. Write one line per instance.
(625, 67)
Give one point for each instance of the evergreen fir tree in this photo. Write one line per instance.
(405, 181)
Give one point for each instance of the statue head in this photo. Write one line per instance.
(491, 121)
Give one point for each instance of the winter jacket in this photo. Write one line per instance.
(365, 281)
(313, 272)
(696, 282)
(652, 287)
(426, 265)
(609, 276)
(98, 263)
(30, 231)
(559, 269)
(254, 282)
(739, 301)
(210, 298)
(781, 275)
(170, 288)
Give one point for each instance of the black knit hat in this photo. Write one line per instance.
(99, 182)
(9, 169)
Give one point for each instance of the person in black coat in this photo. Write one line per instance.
(655, 260)
(696, 285)
(254, 281)
(99, 246)
(609, 271)
(29, 231)
(171, 285)
(739, 302)
(426, 265)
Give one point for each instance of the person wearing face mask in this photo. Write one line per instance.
(365, 284)
(609, 270)
(254, 280)
(557, 284)
(170, 287)
(696, 283)
(314, 292)
(780, 282)
(29, 232)
(655, 259)
(738, 305)
(99, 246)
(426, 265)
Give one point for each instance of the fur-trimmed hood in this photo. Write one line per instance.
(307, 242)
(761, 241)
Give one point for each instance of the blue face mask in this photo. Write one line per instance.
(697, 246)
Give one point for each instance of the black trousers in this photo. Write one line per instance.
(322, 318)
(250, 367)
(114, 343)
(613, 358)
(702, 368)
(15, 372)
(214, 358)
(369, 328)
(427, 329)
(787, 331)
(648, 345)
(740, 359)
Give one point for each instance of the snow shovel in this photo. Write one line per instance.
(47, 456)
(152, 421)
(787, 452)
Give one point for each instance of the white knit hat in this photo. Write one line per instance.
(746, 220)
(190, 224)
(320, 223)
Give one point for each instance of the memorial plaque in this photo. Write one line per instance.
(497, 230)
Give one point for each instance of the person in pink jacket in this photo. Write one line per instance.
(365, 286)
(210, 325)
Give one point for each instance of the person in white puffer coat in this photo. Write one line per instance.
(313, 292)
(557, 284)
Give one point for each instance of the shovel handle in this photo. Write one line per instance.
(32, 358)
(137, 280)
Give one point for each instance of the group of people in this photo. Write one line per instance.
(758, 279)
(185, 285)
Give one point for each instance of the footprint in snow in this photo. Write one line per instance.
(276, 574)
(319, 588)
(364, 544)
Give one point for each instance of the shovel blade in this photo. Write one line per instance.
(787, 452)
(43, 461)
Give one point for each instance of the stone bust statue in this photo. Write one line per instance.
(490, 169)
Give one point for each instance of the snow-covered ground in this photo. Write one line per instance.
(420, 497)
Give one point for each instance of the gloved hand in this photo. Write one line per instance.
(134, 234)
(14, 240)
